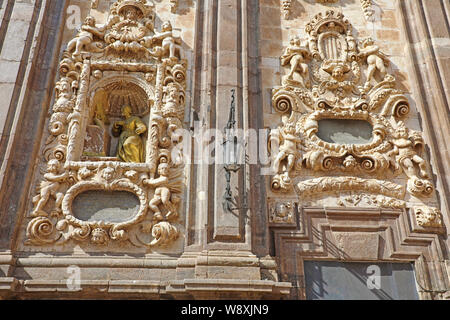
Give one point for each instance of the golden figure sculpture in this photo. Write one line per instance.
(131, 146)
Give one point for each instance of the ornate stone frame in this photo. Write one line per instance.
(359, 235)
(152, 67)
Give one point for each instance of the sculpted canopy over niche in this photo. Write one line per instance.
(332, 77)
(119, 103)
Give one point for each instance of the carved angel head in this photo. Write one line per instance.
(166, 26)
(89, 21)
(53, 166)
(402, 131)
(163, 169)
(108, 174)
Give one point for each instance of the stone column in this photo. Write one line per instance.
(425, 26)
(220, 242)
(30, 38)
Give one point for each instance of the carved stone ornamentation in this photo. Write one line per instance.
(174, 5)
(334, 82)
(428, 217)
(286, 7)
(366, 6)
(369, 200)
(327, 1)
(120, 79)
(282, 213)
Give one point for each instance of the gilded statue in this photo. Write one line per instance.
(50, 187)
(85, 37)
(131, 146)
(296, 56)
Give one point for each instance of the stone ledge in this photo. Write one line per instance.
(196, 288)
(224, 285)
(8, 284)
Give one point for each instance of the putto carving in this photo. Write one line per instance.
(375, 59)
(118, 107)
(332, 83)
(288, 157)
(85, 38)
(404, 157)
(163, 194)
(165, 43)
(296, 56)
(50, 187)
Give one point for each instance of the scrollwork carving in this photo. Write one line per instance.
(336, 78)
(123, 60)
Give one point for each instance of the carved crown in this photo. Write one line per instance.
(144, 7)
(332, 20)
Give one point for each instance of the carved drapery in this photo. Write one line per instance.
(125, 62)
(330, 75)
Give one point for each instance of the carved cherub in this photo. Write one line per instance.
(289, 141)
(376, 60)
(85, 36)
(170, 44)
(50, 187)
(163, 194)
(405, 155)
(296, 56)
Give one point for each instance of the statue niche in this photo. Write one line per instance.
(110, 123)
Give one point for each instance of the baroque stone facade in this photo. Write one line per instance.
(206, 149)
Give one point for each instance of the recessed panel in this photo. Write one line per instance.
(331, 280)
(114, 206)
(343, 131)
